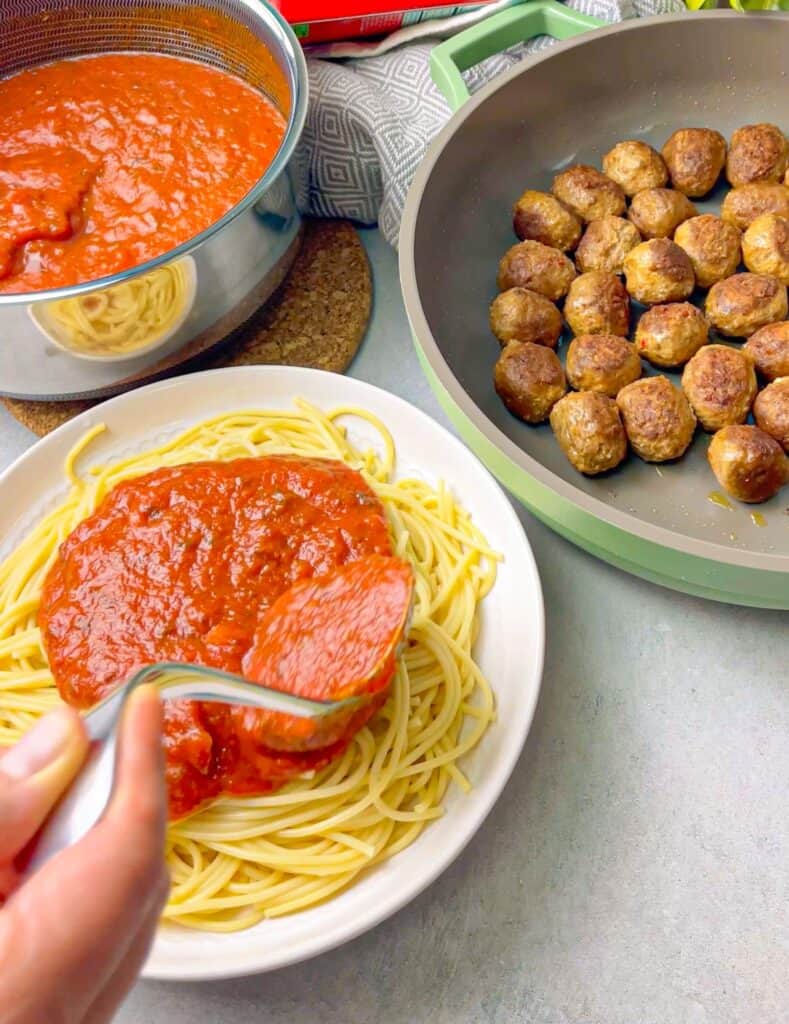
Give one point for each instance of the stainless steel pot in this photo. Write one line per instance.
(238, 261)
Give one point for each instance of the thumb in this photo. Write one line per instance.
(34, 774)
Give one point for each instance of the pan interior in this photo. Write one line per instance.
(642, 83)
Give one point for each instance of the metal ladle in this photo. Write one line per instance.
(90, 793)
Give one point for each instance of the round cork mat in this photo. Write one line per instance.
(318, 318)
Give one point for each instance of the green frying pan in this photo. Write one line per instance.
(639, 79)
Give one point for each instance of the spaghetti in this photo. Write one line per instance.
(244, 859)
(125, 318)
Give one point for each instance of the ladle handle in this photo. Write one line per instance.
(89, 795)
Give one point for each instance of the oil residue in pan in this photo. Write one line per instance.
(720, 499)
(723, 502)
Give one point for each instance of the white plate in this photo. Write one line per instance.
(509, 650)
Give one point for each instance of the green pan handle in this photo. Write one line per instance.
(496, 33)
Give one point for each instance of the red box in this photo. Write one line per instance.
(321, 21)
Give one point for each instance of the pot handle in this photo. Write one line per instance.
(498, 32)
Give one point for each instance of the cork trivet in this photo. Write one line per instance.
(317, 318)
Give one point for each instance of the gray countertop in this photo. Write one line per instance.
(636, 870)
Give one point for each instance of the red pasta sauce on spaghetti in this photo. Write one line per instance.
(182, 564)
(111, 160)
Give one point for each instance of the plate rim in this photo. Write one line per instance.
(342, 933)
(524, 463)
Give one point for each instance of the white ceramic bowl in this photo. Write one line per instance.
(509, 649)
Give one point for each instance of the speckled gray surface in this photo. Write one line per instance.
(636, 870)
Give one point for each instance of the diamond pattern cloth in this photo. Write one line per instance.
(370, 121)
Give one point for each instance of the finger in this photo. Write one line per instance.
(109, 1001)
(34, 775)
(77, 915)
(139, 795)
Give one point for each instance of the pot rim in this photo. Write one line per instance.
(296, 71)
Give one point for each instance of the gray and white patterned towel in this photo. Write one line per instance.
(370, 121)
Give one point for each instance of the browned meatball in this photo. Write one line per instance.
(522, 315)
(658, 420)
(658, 271)
(758, 152)
(657, 212)
(537, 267)
(670, 334)
(720, 385)
(605, 244)
(634, 166)
(588, 193)
(695, 159)
(769, 350)
(713, 247)
(589, 431)
(602, 362)
(765, 246)
(542, 218)
(749, 464)
(743, 205)
(771, 411)
(597, 303)
(529, 380)
(740, 305)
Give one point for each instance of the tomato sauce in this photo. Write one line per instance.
(183, 564)
(109, 161)
(328, 638)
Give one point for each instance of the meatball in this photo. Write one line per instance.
(695, 159)
(749, 464)
(529, 380)
(659, 271)
(605, 244)
(670, 334)
(769, 350)
(743, 205)
(765, 246)
(634, 166)
(537, 267)
(589, 431)
(602, 362)
(657, 212)
(540, 217)
(597, 303)
(758, 152)
(742, 303)
(588, 193)
(720, 384)
(658, 420)
(522, 315)
(713, 247)
(771, 411)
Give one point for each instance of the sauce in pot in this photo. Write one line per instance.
(112, 160)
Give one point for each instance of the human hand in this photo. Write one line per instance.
(75, 935)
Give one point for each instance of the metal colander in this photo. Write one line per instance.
(225, 33)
